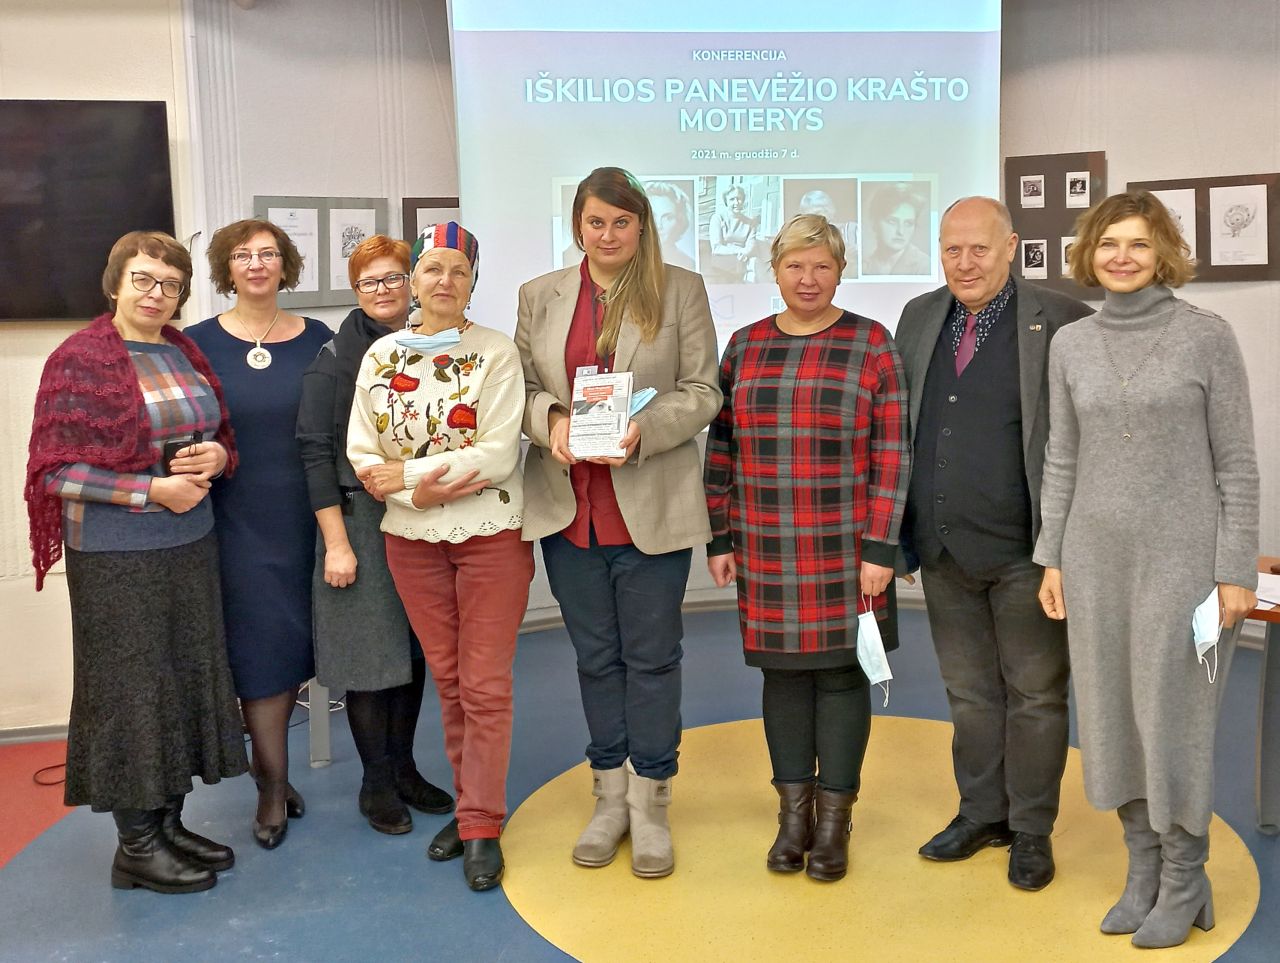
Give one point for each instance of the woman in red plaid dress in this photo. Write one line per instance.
(806, 477)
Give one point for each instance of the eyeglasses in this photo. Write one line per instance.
(146, 284)
(268, 258)
(390, 282)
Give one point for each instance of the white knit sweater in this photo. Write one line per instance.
(459, 407)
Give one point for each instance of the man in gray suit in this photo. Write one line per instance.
(976, 358)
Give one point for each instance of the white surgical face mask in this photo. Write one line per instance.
(1206, 627)
(429, 342)
(871, 651)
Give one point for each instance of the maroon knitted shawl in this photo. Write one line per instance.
(89, 408)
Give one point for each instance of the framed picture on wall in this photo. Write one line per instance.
(325, 230)
(1231, 223)
(419, 212)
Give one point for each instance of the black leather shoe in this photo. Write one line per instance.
(144, 858)
(199, 849)
(482, 863)
(295, 807)
(963, 837)
(1031, 861)
(268, 836)
(446, 845)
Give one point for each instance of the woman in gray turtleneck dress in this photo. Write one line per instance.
(1150, 501)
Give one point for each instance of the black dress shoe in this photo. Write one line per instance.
(295, 807)
(1031, 861)
(446, 845)
(482, 863)
(963, 837)
(268, 836)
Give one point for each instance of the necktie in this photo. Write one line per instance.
(968, 342)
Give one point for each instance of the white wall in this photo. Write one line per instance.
(328, 97)
(1168, 88)
(74, 50)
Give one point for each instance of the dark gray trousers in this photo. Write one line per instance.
(1005, 666)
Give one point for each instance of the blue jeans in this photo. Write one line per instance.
(621, 608)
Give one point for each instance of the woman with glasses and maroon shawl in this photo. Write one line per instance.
(130, 428)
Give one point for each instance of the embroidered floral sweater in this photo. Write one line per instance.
(460, 407)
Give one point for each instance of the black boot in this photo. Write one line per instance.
(795, 827)
(482, 863)
(829, 857)
(417, 792)
(144, 858)
(199, 849)
(379, 803)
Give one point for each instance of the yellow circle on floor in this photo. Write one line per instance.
(722, 904)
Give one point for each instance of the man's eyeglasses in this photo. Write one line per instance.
(146, 284)
(390, 282)
(266, 257)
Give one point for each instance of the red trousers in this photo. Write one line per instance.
(465, 601)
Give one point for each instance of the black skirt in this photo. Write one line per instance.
(152, 703)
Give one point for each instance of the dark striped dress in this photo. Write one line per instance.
(806, 475)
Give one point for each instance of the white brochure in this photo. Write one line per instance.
(600, 414)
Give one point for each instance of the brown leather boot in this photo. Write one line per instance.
(795, 826)
(829, 855)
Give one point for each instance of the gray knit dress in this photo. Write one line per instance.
(1142, 534)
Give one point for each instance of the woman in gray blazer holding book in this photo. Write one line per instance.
(617, 533)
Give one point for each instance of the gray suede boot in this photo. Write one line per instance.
(647, 799)
(1143, 882)
(599, 842)
(1186, 898)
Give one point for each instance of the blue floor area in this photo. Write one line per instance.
(336, 890)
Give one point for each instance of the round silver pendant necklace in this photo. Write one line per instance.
(258, 357)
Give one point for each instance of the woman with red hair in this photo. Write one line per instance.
(363, 643)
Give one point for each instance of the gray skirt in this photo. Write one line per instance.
(362, 637)
(152, 699)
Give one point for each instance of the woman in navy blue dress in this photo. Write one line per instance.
(266, 531)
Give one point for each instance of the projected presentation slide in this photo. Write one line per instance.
(734, 117)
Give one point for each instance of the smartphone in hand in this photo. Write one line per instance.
(171, 449)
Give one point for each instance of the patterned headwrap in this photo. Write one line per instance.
(452, 235)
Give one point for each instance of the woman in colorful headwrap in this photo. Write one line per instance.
(363, 643)
(129, 429)
(435, 431)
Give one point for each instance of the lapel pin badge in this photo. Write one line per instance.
(1035, 327)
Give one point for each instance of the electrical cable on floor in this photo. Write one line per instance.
(35, 776)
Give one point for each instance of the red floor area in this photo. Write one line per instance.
(29, 809)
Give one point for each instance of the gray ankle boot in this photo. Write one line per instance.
(1143, 882)
(599, 842)
(647, 799)
(1186, 898)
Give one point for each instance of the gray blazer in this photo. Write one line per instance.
(1041, 312)
(660, 490)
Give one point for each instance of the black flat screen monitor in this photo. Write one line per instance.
(74, 176)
